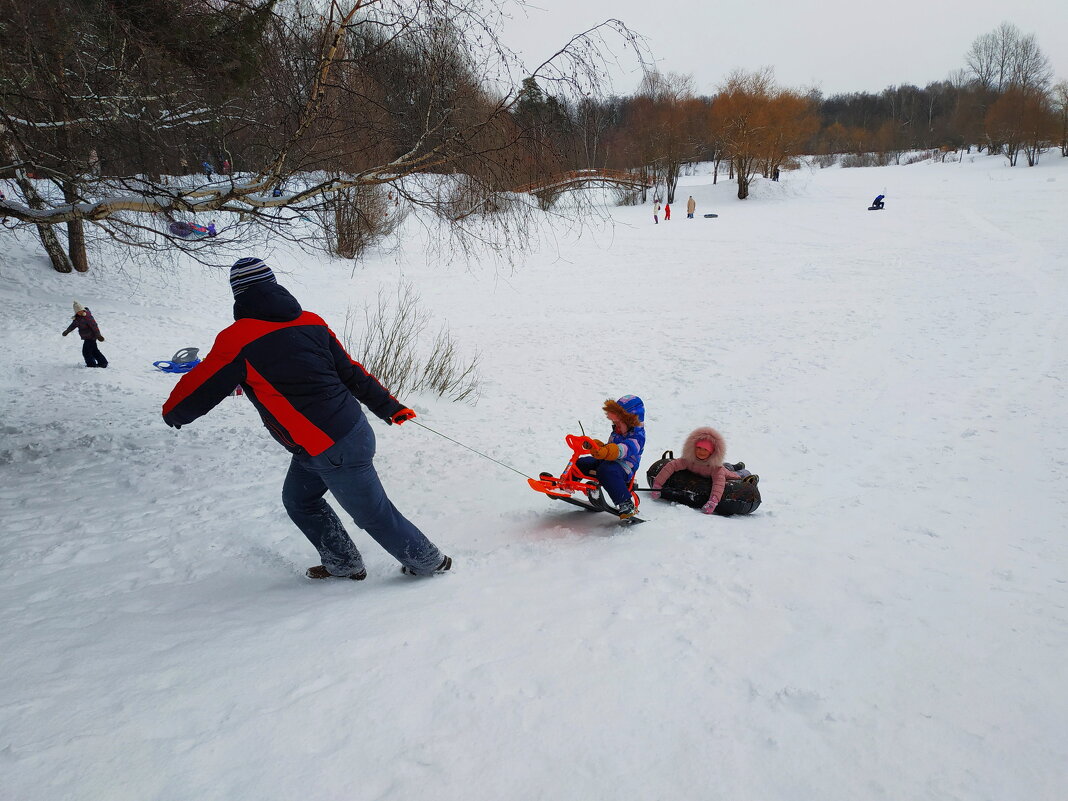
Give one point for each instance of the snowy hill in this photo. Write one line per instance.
(892, 623)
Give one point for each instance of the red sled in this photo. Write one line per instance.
(573, 482)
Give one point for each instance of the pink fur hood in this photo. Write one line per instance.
(689, 454)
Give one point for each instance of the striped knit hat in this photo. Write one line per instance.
(249, 271)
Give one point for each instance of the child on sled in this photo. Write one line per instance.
(615, 462)
(702, 453)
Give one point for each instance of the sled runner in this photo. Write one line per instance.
(181, 362)
(740, 497)
(876, 208)
(574, 487)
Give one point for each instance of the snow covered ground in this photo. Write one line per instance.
(891, 624)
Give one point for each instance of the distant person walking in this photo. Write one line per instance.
(89, 331)
(691, 207)
(656, 213)
(208, 169)
(667, 212)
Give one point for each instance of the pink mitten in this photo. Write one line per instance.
(710, 507)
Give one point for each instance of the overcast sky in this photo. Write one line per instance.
(834, 45)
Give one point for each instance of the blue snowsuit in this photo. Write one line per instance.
(616, 475)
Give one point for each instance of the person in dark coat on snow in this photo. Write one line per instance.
(308, 392)
(89, 331)
(878, 202)
(615, 462)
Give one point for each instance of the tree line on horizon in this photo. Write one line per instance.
(324, 109)
(1003, 100)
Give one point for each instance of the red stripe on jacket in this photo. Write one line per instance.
(227, 348)
(301, 430)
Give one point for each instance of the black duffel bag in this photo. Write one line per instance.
(685, 486)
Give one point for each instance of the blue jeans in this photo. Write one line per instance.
(347, 471)
(609, 475)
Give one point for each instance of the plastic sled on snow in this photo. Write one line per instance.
(576, 488)
(707, 216)
(181, 362)
(685, 487)
(188, 230)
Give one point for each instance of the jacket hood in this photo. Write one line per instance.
(267, 301)
(629, 408)
(689, 448)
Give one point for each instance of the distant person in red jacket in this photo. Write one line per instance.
(667, 212)
(89, 331)
(308, 392)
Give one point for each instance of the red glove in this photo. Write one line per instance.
(403, 416)
(607, 453)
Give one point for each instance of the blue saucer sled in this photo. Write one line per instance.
(181, 362)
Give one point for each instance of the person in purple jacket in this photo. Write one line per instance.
(89, 331)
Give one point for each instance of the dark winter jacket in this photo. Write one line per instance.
(293, 369)
(86, 325)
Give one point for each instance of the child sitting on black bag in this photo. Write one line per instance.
(702, 453)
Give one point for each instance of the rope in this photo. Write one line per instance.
(480, 453)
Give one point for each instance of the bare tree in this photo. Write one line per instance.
(741, 111)
(1022, 121)
(357, 95)
(1060, 109)
(1006, 57)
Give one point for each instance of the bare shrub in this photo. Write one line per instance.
(548, 196)
(825, 160)
(924, 155)
(357, 217)
(860, 160)
(446, 374)
(627, 197)
(390, 349)
(462, 195)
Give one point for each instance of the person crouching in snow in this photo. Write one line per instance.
(89, 331)
(702, 453)
(615, 462)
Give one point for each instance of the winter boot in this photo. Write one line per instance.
(446, 564)
(320, 572)
(627, 510)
